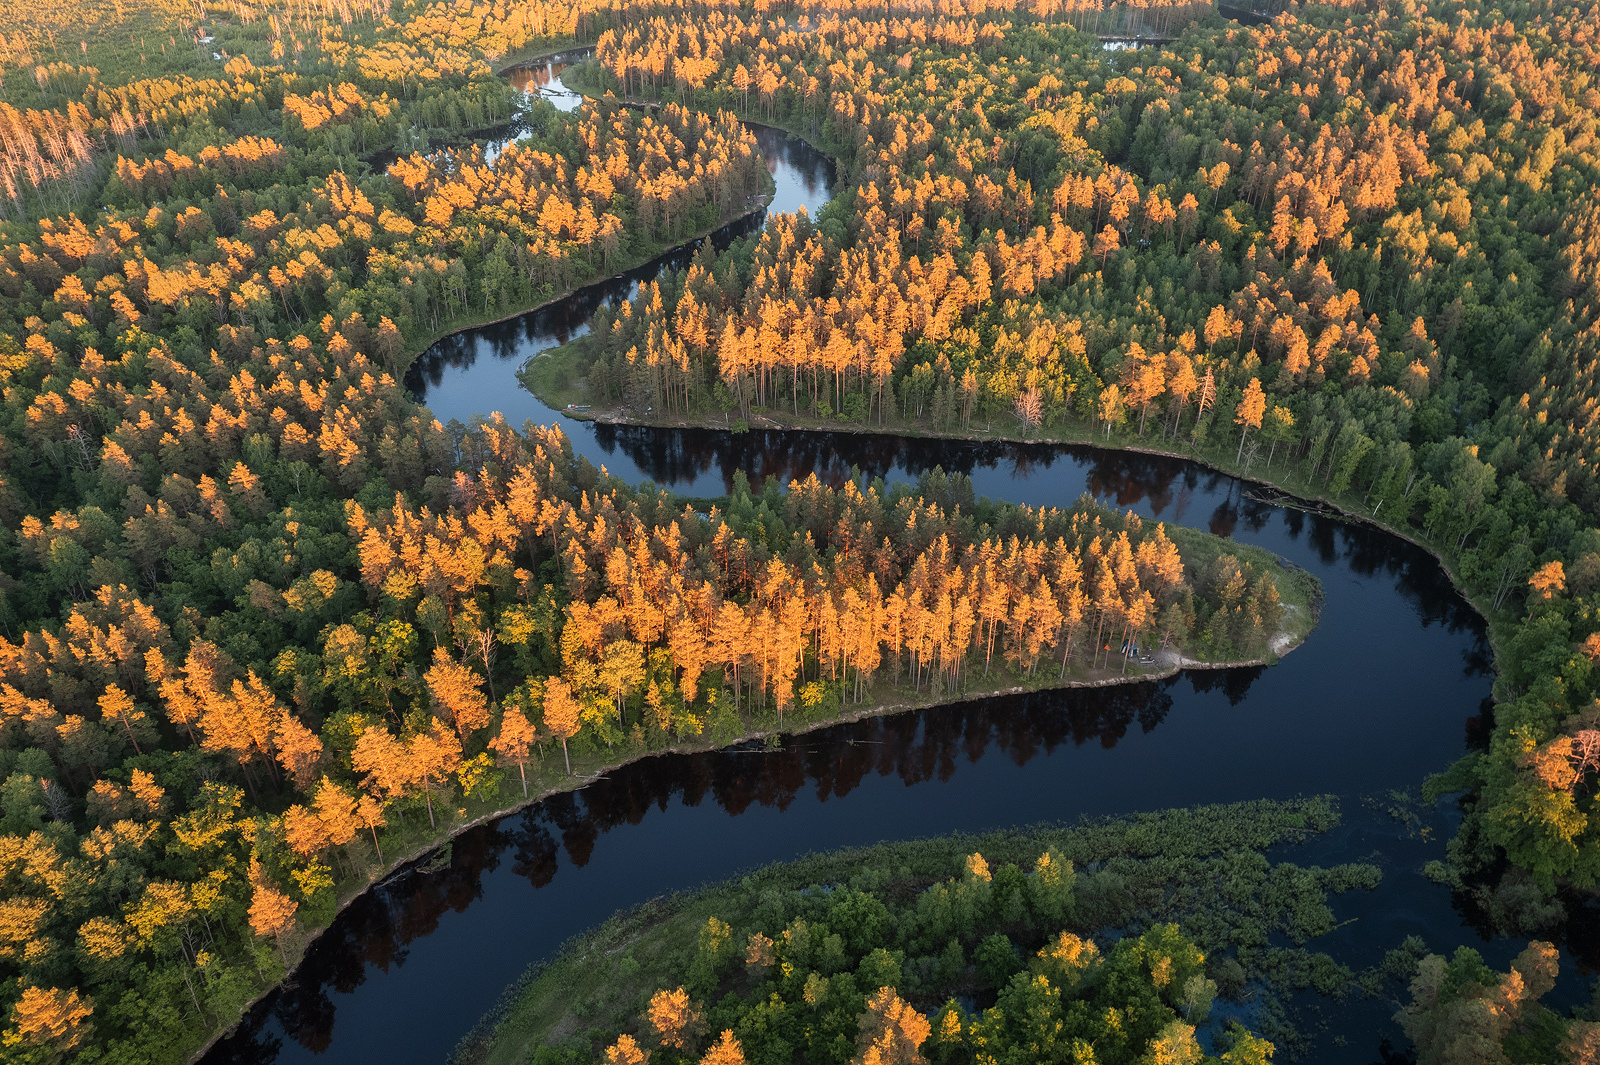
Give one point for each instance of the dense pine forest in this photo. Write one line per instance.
(267, 628)
(1349, 252)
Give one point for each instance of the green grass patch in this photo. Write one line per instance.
(559, 376)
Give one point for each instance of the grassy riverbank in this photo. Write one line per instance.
(1201, 868)
(558, 376)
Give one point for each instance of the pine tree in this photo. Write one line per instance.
(454, 688)
(271, 911)
(515, 739)
(890, 1031)
(431, 757)
(52, 1018)
(1249, 413)
(560, 714)
(725, 1051)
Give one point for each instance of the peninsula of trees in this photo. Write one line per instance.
(185, 799)
(1001, 948)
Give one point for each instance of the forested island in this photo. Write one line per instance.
(269, 630)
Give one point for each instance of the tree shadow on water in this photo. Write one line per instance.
(918, 747)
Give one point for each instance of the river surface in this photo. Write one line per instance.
(542, 78)
(475, 372)
(1393, 684)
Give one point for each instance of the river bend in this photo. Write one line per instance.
(1392, 685)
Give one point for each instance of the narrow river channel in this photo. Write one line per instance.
(1392, 685)
(475, 372)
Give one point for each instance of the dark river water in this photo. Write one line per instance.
(1392, 685)
(475, 372)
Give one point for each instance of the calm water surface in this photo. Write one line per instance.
(473, 373)
(1391, 686)
(536, 80)
(542, 78)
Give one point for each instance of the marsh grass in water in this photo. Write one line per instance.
(789, 955)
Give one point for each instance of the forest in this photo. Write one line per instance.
(968, 949)
(269, 628)
(188, 800)
(1349, 252)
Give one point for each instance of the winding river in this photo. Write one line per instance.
(474, 372)
(1392, 685)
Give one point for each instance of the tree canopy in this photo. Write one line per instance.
(262, 612)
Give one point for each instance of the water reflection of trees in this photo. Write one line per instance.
(523, 335)
(806, 167)
(670, 456)
(832, 763)
(1168, 486)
